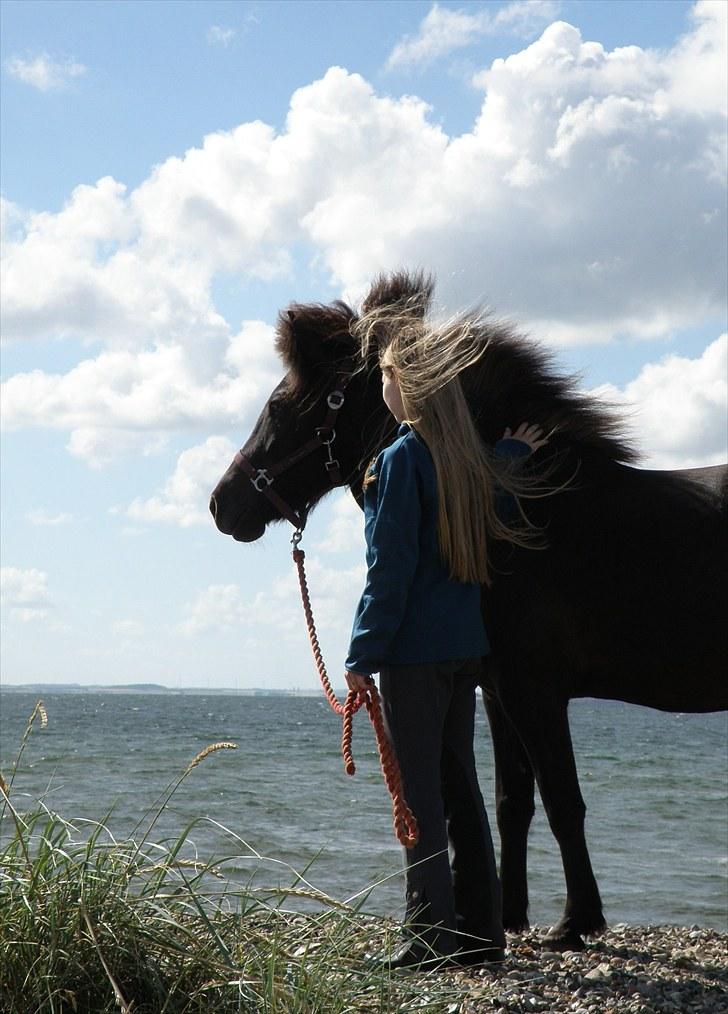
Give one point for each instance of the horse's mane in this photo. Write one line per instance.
(516, 380)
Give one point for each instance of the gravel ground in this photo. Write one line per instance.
(628, 970)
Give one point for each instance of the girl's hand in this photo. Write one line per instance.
(357, 682)
(528, 434)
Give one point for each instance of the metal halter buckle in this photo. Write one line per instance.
(331, 464)
(261, 476)
(335, 400)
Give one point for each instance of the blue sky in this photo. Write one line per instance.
(174, 173)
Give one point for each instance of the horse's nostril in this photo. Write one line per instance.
(213, 506)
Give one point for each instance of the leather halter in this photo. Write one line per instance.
(324, 436)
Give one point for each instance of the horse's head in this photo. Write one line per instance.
(322, 423)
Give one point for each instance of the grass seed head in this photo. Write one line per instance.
(40, 712)
(212, 748)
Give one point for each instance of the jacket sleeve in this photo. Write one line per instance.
(392, 558)
(511, 449)
(513, 452)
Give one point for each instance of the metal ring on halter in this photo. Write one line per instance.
(335, 400)
(296, 537)
(261, 476)
(323, 429)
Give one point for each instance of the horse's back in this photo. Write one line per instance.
(709, 483)
(629, 600)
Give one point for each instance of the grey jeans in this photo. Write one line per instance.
(453, 891)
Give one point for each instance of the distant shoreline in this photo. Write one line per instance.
(157, 688)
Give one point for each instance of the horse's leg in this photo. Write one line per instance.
(514, 787)
(542, 723)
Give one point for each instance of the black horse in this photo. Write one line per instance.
(627, 601)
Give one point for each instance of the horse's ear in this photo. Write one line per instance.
(308, 335)
(402, 290)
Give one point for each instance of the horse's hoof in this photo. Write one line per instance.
(561, 938)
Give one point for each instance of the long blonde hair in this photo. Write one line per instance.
(427, 362)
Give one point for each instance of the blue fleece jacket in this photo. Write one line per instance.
(411, 610)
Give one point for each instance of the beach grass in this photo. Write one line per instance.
(92, 924)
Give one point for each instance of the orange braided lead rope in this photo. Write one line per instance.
(405, 824)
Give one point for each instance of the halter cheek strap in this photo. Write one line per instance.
(324, 436)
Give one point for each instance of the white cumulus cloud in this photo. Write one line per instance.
(123, 401)
(101, 280)
(220, 35)
(224, 608)
(43, 519)
(127, 628)
(445, 29)
(185, 496)
(679, 408)
(697, 69)
(99, 445)
(345, 530)
(43, 72)
(25, 593)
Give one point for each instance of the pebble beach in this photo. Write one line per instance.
(627, 970)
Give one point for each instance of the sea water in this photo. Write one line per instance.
(654, 785)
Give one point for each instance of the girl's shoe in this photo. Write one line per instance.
(413, 955)
(480, 956)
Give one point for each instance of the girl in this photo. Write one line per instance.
(430, 507)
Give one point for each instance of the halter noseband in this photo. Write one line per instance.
(262, 478)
